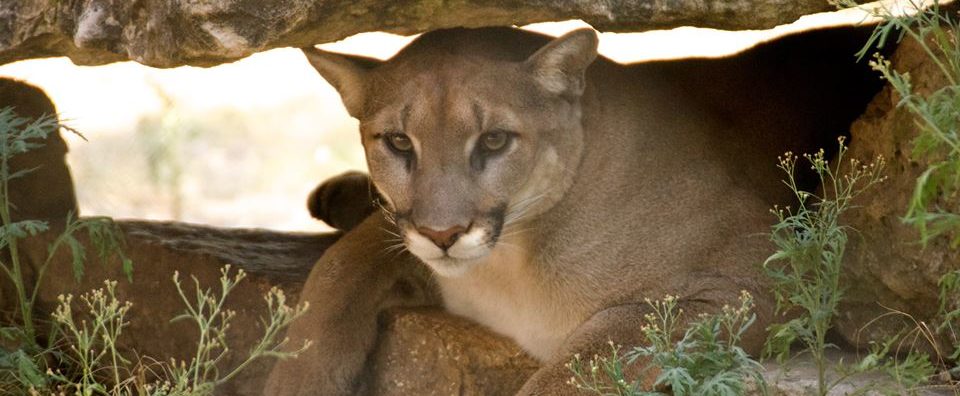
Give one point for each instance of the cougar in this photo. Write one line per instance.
(544, 191)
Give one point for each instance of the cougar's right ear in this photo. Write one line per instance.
(560, 65)
(347, 73)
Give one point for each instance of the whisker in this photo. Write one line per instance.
(520, 210)
(510, 246)
(393, 241)
(513, 229)
(387, 213)
(391, 232)
(395, 249)
(513, 233)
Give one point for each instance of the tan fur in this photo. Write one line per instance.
(623, 182)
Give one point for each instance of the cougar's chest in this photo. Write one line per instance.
(507, 295)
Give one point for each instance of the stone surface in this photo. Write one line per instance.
(165, 33)
(887, 267)
(427, 352)
(798, 377)
(47, 191)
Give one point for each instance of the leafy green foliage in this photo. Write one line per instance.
(105, 236)
(806, 270)
(909, 372)
(706, 360)
(20, 230)
(20, 371)
(950, 311)
(811, 242)
(18, 136)
(23, 366)
(934, 208)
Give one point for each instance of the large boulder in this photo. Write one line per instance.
(429, 352)
(888, 269)
(166, 33)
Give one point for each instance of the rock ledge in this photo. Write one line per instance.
(164, 33)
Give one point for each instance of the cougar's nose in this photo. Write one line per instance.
(443, 239)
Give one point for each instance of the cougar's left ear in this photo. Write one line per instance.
(347, 73)
(559, 66)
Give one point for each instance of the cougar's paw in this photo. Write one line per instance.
(343, 201)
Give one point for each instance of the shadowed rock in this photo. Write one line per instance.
(887, 267)
(47, 191)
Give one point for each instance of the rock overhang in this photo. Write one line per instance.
(205, 33)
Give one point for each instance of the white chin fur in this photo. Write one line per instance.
(451, 268)
(466, 253)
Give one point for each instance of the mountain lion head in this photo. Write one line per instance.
(466, 147)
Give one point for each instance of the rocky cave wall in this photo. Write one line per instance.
(887, 268)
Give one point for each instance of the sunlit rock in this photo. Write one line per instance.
(205, 33)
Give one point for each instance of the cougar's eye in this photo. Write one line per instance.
(399, 142)
(489, 146)
(494, 141)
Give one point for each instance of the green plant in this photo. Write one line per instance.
(23, 359)
(212, 319)
(91, 342)
(18, 136)
(706, 360)
(811, 242)
(908, 367)
(100, 369)
(950, 314)
(934, 208)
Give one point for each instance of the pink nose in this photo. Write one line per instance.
(443, 239)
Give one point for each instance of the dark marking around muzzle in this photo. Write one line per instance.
(497, 215)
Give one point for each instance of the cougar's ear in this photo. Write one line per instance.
(347, 73)
(560, 65)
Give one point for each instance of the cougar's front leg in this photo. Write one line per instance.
(355, 280)
(621, 325)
